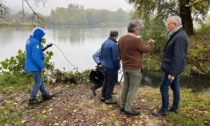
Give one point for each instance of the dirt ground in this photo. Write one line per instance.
(77, 106)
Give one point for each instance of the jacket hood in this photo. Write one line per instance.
(38, 34)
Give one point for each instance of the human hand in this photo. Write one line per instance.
(151, 41)
(170, 77)
(43, 70)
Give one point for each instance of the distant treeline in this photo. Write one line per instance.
(77, 15)
(72, 15)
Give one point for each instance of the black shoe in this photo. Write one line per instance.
(47, 97)
(102, 99)
(34, 101)
(110, 101)
(93, 91)
(132, 112)
(122, 109)
(173, 110)
(160, 113)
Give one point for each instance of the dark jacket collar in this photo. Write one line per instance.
(112, 38)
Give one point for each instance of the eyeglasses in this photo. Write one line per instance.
(167, 24)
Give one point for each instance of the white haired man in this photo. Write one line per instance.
(173, 63)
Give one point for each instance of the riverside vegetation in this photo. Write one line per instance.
(75, 105)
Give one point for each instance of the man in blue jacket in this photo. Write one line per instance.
(35, 63)
(173, 63)
(110, 63)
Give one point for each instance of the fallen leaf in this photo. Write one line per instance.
(99, 123)
(124, 117)
(113, 114)
(56, 124)
(152, 107)
(44, 111)
(23, 121)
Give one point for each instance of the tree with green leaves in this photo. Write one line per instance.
(188, 10)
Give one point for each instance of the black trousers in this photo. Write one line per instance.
(109, 82)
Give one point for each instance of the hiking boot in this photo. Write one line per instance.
(47, 97)
(110, 101)
(93, 91)
(133, 112)
(34, 101)
(160, 113)
(173, 110)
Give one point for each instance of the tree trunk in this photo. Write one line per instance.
(185, 14)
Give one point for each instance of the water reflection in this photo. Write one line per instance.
(78, 43)
(197, 84)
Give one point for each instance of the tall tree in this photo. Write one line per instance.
(188, 10)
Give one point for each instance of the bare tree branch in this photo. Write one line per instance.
(32, 8)
(3, 9)
(35, 14)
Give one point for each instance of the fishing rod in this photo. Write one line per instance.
(50, 44)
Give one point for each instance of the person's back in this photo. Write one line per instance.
(35, 64)
(131, 49)
(34, 54)
(109, 54)
(110, 63)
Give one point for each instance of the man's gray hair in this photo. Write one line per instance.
(134, 25)
(176, 19)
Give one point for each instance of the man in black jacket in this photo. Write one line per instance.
(173, 63)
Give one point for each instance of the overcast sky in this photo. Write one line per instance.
(113, 5)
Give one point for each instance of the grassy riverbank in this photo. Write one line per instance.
(75, 105)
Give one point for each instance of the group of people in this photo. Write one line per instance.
(129, 50)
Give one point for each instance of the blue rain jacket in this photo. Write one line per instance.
(34, 55)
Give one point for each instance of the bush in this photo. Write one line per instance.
(155, 29)
(15, 64)
(7, 79)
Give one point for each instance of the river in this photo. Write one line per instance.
(77, 44)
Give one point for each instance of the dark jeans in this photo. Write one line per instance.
(38, 84)
(109, 83)
(165, 95)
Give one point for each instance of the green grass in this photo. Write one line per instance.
(194, 109)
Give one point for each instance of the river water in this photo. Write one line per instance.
(76, 44)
